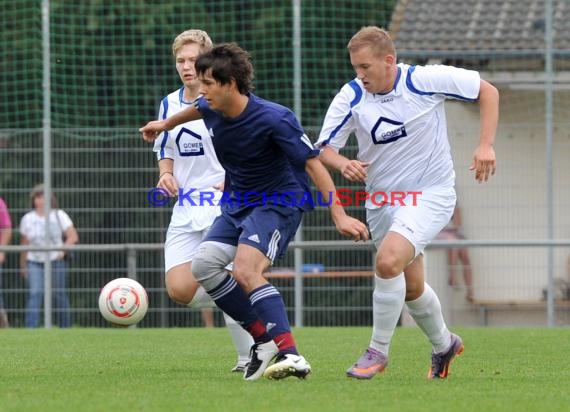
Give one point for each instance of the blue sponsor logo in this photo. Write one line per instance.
(387, 131)
(189, 143)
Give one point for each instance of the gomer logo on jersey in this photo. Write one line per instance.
(189, 143)
(387, 131)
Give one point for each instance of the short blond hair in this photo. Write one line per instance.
(200, 37)
(376, 38)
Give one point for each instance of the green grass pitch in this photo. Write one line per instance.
(188, 370)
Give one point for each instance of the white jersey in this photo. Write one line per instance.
(33, 226)
(195, 163)
(403, 133)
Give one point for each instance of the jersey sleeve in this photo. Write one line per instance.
(451, 82)
(163, 145)
(292, 139)
(201, 105)
(339, 123)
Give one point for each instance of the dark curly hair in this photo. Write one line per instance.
(228, 61)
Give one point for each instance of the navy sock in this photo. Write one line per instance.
(231, 298)
(270, 308)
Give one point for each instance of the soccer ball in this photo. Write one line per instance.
(123, 302)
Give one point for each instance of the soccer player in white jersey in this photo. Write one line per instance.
(397, 113)
(186, 160)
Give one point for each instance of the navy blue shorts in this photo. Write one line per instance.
(268, 228)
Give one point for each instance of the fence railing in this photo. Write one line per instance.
(322, 298)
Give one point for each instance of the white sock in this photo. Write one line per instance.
(201, 300)
(426, 311)
(242, 339)
(387, 303)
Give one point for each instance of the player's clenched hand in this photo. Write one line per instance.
(168, 183)
(484, 163)
(353, 228)
(355, 170)
(152, 129)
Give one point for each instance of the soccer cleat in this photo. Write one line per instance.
(440, 361)
(241, 365)
(369, 364)
(288, 365)
(261, 354)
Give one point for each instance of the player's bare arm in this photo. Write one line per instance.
(166, 178)
(346, 225)
(152, 129)
(353, 170)
(484, 160)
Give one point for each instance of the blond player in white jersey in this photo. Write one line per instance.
(186, 161)
(397, 113)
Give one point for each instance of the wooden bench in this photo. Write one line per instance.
(486, 306)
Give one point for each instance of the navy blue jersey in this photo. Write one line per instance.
(264, 151)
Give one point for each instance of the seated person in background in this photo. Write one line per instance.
(457, 256)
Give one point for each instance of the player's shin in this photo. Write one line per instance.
(387, 304)
(270, 308)
(426, 311)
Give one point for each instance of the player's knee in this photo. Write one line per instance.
(388, 265)
(178, 294)
(180, 284)
(243, 276)
(203, 266)
(208, 266)
(248, 271)
(176, 290)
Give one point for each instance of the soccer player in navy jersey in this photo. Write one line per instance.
(268, 159)
(397, 113)
(186, 159)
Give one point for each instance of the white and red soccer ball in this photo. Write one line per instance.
(123, 302)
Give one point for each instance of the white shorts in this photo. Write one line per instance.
(187, 228)
(419, 223)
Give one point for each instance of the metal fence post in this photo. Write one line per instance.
(131, 263)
